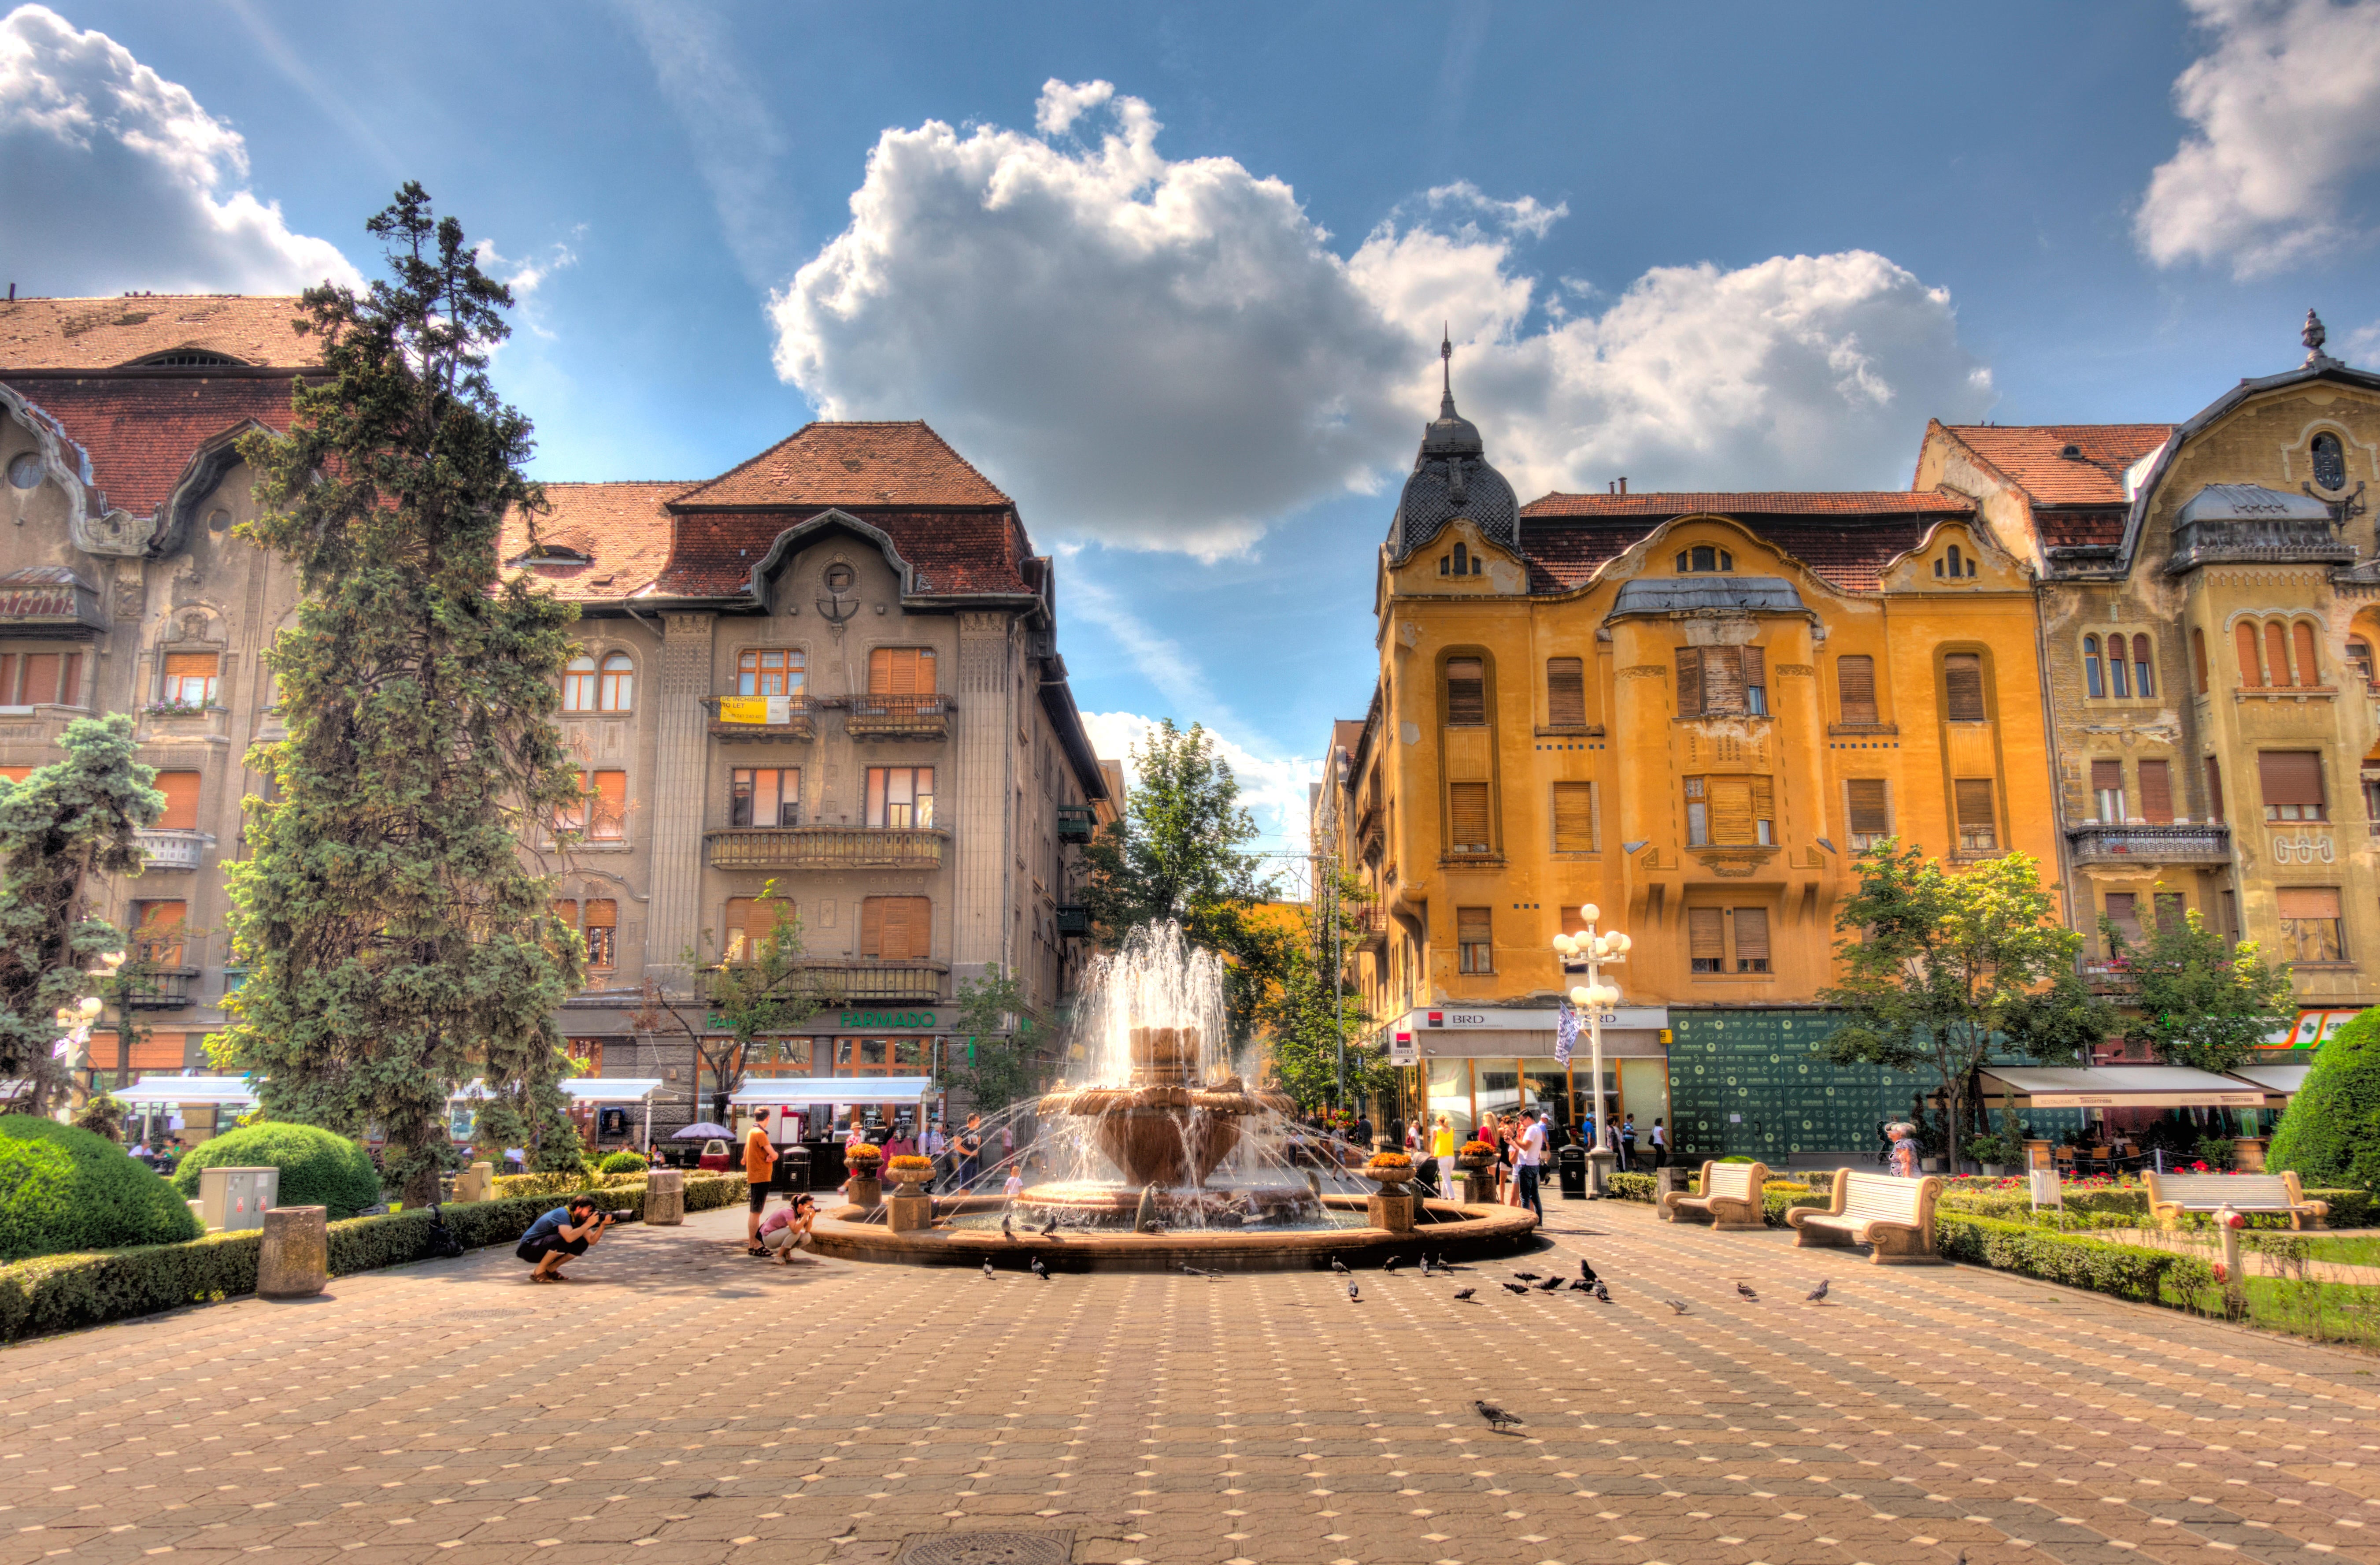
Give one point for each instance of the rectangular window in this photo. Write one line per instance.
(1729, 812)
(900, 796)
(1697, 814)
(602, 925)
(2213, 789)
(1855, 688)
(157, 932)
(190, 677)
(2372, 797)
(2156, 794)
(1690, 682)
(2124, 913)
(900, 672)
(1565, 693)
(2292, 785)
(40, 678)
(2310, 929)
(1466, 693)
(1978, 821)
(2172, 910)
(1468, 813)
(2107, 791)
(1475, 938)
(1962, 688)
(1707, 939)
(769, 671)
(608, 815)
(748, 921)
(765, 796)
(1750, 939)
(181, 791)
(1573, 817)
(1867, 805)
(897, 928)
(1756, 681)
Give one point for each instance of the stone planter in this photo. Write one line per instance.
(910, 1210)
(864, 1191)
(1392, 1209)
(295, 1260)
(1479, 1188)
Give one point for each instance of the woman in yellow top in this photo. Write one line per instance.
(1441, 1147)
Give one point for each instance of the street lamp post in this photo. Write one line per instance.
(1593, 997)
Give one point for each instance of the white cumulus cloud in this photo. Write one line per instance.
(1171, 354)
(2285, 110)
(1273, 789)
(116, 179)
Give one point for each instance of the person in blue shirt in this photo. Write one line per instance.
(565, 1232)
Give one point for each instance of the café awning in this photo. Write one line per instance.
(611, 1089)
(2279, 1080)
(2118, 1086)
(224, 1091)
(804, 1090)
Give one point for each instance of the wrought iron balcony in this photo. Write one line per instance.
(1074, 918)
(2104, 842)
(899, 716)
(2274, 540)
(1075, 822)
(844, 983)
(172, 849)
(160, 987)
(827, 848)
(798, 726)
(1371, 932)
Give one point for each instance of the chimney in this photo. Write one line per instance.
(1624, 486)
(12, 293)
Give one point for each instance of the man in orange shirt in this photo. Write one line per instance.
(759, 1158)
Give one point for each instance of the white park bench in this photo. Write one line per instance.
(2172, 1194)
(1893, 1217)
(1729, 1198)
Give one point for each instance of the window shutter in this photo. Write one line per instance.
(1723, 680)
(181, 791)
(42, 677)
(2213, 789)
(897, 940)
(871, 926)
(566, 909)
(1469, 803)
(1466, 693)
(602, 914)
(1573, 817)
(1868, 807)
(2276, 655)
(2124, 913)
(2309, 901)
(2198, 659)
(1755, 666)
(1474, 926)
(2290, 776)
(2309, 671)
(1973, 796)
(1763, 800)
(900, 672)
(925, 676)
(1963, 687)
(1751, 936)
(2156, 794)
(1690, 682)
(1565, 693)
(1855, 688)
(1707, 932)
(2106, 777)
(2244, 636)
(1731, 810)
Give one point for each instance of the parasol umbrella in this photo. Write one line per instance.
(704, 1131)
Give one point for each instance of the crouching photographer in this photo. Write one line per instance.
(562, 1234)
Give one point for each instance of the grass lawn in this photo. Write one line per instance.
(2328, 1312)
(2361, 1250)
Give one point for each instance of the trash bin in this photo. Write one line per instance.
(793, 1169)
(1572, 1171)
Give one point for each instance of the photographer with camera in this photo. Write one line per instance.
(562, 1234)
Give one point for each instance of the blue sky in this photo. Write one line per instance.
(1174, 276)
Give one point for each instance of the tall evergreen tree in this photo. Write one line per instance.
(60, 829)
(397, 942)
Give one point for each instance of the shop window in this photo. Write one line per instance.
(897, 928)
(764, 796)
(41, 678)
(617, 691)
(1565, 693)
(1971, 801)
(2107, 791)
(1574, 822)
(748, 921)
(1962, 688)
(1855, 689)
(900, 796)
(2329, 462)
(1730, 812)
(1469, 818)
(2310, 924)
(2198, 659)
(1722, 681)
(2094, 680)
(181, 791)
(1867, 808)
(2252, 667)
(1466, 692)
(2291, 782)
(2156, 792)
(579, 685)
(192, 677)
(900, 672)
(2143, 669)
(157, 932)
(1474, 939)
(770, 671)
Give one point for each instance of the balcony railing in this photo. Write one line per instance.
(1074, 918)
(827, 848)
(1371, 932)
(2102, 842)
(161, 987)
(899, 716)
(170, 849)
(2293, 539)
(846, 982)
(1075, 822)
(797, 727)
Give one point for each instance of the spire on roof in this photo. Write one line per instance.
(2313, 336)
(1446, 368)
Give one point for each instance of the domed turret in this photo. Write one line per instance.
(1450, 479)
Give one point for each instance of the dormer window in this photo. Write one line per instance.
(188, 359)
(1704, 557)
(1954, 565)
(2329, 462)
(552, 555)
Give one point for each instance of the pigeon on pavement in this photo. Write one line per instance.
(987, 1269)
(1580, 1285)
(1039, 1270)
(1353, 1296)
(1745, 1289)
(1602, 1294)
(1425, 1262)
(1496, 1417)
(1819, 1294)
(1677, 1304)
(1526, 1277)
(1551, 1285)
(1005, 1231)
(1514, 1287)
(1194, 1271)
(1585, 1271)
(1338, 1266)
(1392, 1263)
(1464, 1294)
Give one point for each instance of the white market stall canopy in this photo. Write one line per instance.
(791, 1089)
(2281, 1081)
(220, 1091)
(2119, 1086)
(611, 1089)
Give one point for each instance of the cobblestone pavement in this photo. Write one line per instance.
(684, 1403)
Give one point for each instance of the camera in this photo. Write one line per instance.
(623, 1215)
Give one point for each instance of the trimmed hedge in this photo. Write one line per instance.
(1777, 1197)
(2330, 1133)
(1630, 1187)
(2126, 1271)
(64, 1190)
(318, 1167)
(623, 1163)
(68, 1292)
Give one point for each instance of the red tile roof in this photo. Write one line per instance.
(2032, 455)
(960, 553)
(140, 433)
(97, 334)
(1846, 537)
(1756, 502)
(850, 465)
(622, 529)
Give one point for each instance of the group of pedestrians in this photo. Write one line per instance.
(1524, 1144)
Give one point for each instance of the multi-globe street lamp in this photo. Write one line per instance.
(1594, 997)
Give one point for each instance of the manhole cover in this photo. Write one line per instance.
(988, 1548)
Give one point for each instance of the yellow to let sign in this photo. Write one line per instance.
(743, 708)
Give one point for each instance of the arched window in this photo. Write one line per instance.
(1461, 560)
(617, 690)
(2276, 654)
(2309, 671)
(2198, 657)
(1954, 560)
(2329, 461)
(2251, 673)
(2144, 679)
(2358, 660)
(2095, 682)
(2120, 679)
(579, 685)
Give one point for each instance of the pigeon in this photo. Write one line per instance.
(1497, 1417)
(1585, 1271)
(1580, 1285)
(1819, 1294)
(1039, 1270)
(1551, 1285)
(1353, 1296)
(988, 1274)
(1005, 1231)
(1392, 1263)
(1048, 1227)
(1602, 1294)
(1338, 1266)
(1462, 1295)
(1745, 1290)
(1526, 1277)
(1677, 1304)
(1425, 1262)
(1514, 1287)
(1194, 1271)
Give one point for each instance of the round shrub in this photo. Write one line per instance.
(318, 1169)
(2330, 1133)
(64, 1190)
(624, 1163)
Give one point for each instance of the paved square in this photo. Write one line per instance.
(685, 1404)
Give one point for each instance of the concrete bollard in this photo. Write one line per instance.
(295, 1262)
(666, 1197)
(476, 1182)
(910, 1214)
(1395, 1213)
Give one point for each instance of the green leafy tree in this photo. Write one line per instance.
(2194, 1000)
(768, 988)
(2330, 1132)
(1303, 1025)
(995, 1055)
(1943, 969)
(397, 942)
(61, 829)
(1179, 853)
